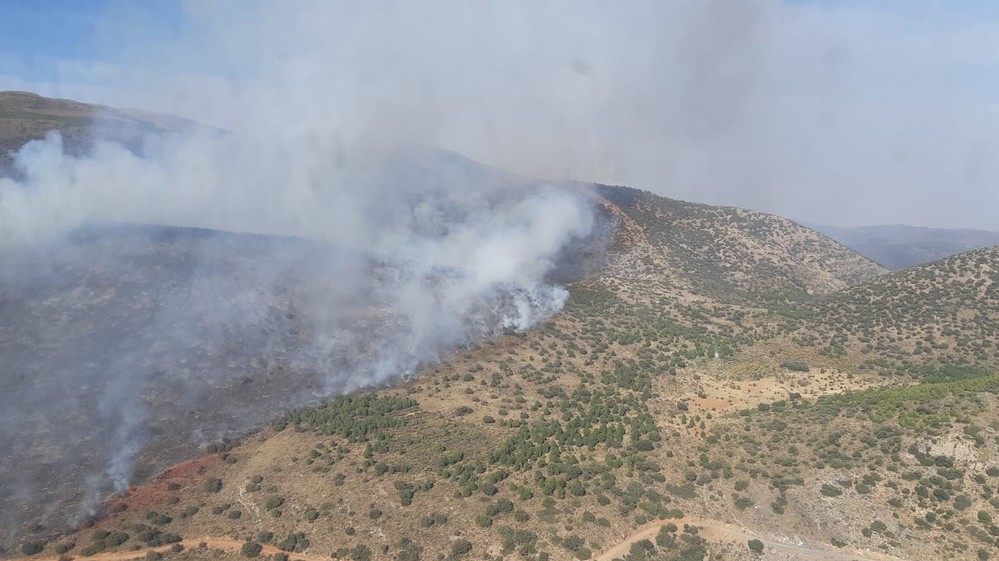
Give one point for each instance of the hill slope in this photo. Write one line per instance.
(614, 417)
(25, 116)
(726, 250)
(711, 368)
(948, 310)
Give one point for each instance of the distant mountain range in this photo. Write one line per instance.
(898, 246)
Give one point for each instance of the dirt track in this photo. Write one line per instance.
(712, 530)
(191, 543)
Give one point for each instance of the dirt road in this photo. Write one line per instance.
(713, 530)
(710, 530)
(225, 544)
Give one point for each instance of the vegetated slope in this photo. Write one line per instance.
(633, 406)
(900, 247)
(666, 391)
(557, 443)
(944, 311)
(723, 251)
(26, 116)
(148, 341)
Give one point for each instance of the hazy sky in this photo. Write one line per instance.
(841, 112)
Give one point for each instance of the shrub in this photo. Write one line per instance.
(32, 548)
(756, 546)
(294, 542)
(830, 490)
(213, 485)
(460, 547)
(251, 549)
(962, 502)
(795, 366)
(361, 553)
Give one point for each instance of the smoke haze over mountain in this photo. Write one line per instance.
(832, 112)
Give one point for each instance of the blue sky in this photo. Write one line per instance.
(38, 37)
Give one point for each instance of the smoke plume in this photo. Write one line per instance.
(192, 283)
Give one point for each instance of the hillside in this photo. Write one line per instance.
(720, 381)
(26, 116)
(899, 247)
(947, 310)
(726, 251)
(562, 442)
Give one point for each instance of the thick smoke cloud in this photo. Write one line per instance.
(329, 247)
(831, 112)
(379, 260)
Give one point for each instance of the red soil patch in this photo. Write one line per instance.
(146, 497)
(182, 473)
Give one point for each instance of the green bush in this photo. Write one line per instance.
(795, 366)
(251, 549)
(361, 553)
(828, 490)
(295, 542)
(460, 547)
(32, 548)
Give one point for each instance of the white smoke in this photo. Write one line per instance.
(420, 253)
